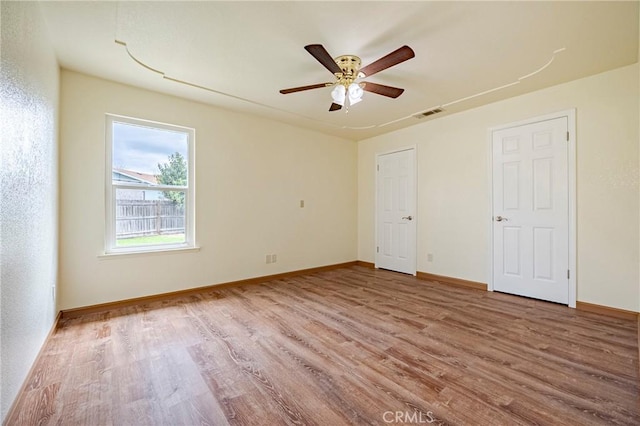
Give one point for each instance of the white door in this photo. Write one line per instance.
(396, 212)
(531, 210)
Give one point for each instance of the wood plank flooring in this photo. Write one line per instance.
(350, 346)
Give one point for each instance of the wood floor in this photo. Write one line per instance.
(350, 346)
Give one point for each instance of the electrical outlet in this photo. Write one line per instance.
(269, 258)
(429, 257)
(301, 204)
(274, 258)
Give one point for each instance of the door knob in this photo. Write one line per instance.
(500, 219)
(408, 217)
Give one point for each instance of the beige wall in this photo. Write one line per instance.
(29, 192)
(251, 174)
(453, 184)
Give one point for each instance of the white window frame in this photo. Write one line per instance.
(110, 189)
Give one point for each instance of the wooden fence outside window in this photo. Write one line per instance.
(137, 218)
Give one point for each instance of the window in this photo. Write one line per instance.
(149, 186)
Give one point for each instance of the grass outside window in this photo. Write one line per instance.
(151, 240)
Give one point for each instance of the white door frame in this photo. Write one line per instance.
(570, 114)
(415, 198)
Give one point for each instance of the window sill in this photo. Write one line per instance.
(152, 252)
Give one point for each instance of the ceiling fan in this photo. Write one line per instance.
(347, 71)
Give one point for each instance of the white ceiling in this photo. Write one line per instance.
(244, 52)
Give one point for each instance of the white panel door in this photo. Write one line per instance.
(396, 201)
(531, 210)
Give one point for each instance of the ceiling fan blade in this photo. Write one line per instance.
(394, 58)
(301, 88)
(334, 107)
(381, 89)
(320, 53)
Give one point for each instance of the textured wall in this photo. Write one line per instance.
(29, 192)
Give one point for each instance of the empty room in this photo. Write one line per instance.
(323, 213)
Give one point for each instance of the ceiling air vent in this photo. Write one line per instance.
(428, 113)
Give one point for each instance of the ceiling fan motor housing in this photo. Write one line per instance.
(349, 64)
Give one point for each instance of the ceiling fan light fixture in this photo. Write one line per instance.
(355, 93)
(338, 94)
